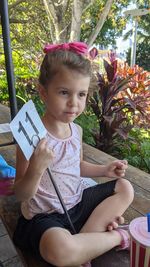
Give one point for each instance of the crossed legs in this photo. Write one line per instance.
(59, 247)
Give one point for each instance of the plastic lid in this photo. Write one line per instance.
(139, 231)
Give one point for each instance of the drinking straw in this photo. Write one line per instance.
(148, 221)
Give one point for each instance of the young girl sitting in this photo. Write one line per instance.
(95, 211)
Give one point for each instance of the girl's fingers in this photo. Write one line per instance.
(122, 167)
(124, 161)
(42, 142)
(43, 145)
(120, 173)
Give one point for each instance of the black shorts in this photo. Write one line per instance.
(28, 232)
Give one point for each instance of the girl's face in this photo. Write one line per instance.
(65, 97)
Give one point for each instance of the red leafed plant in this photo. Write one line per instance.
(121, 102)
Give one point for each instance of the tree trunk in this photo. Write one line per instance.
(54, 23)
(76, 20)
(59, 27)
(100, 23)
(49, 14)
(56, 12)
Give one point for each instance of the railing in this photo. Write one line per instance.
(8, 62)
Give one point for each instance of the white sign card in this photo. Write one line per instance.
(27, 128)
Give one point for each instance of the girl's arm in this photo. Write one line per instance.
(92, 170)
(114, 169)
(29, 173)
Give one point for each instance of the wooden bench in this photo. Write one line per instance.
(9, 206)
(8, 254)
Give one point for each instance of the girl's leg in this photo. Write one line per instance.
(111, 208)
(60, 248)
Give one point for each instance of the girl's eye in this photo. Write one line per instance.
(83, 94)
(64, 92)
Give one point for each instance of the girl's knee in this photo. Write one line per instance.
(63, 253)
(125, 188)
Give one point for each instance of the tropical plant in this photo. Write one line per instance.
(121, 102)
(137, 95)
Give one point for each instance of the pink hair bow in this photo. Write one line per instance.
(77, 47)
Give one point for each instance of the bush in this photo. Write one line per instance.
(137, 152)
(88, 121)
(120, 103)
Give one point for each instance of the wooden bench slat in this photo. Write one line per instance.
(2, 229)
(8, 252)
(14, 262)
(131, 214)
(141, 200)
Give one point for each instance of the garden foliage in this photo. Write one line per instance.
(117, 112)
(26, 73)
(121, 102)
(137, 151)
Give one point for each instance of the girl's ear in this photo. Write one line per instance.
(42, 92)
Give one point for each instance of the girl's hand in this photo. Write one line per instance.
(116, 169)
(42, 156)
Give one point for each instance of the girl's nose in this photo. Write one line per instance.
(73, 101)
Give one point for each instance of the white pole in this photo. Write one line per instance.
(135, 13)
(133, 48)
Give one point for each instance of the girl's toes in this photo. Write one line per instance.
(120, 220)
(112, 226)
(115, 225)
(109, 227)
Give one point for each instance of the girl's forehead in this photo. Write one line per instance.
(65, 72)
(68, 78)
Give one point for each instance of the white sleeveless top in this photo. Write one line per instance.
(65, 169)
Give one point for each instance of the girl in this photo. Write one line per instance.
(95, 211)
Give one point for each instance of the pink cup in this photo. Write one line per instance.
(140, 243)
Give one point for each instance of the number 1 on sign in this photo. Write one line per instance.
(22, 129)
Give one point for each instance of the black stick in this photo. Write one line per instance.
(61, 200)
